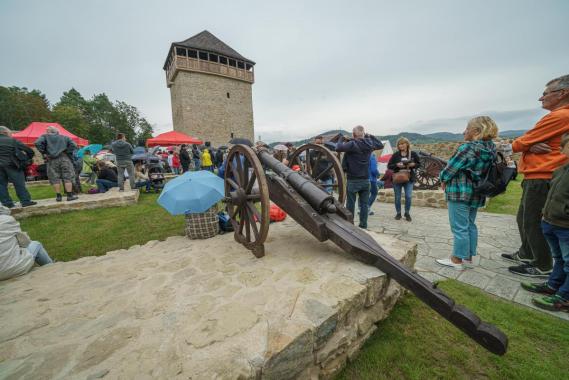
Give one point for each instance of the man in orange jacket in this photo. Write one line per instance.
(541, 155)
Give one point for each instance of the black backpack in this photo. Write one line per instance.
(496, 179)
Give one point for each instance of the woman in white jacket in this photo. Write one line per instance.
(17, 252)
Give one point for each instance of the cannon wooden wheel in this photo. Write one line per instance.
(428, 173)
(320, 152)
(247, 198)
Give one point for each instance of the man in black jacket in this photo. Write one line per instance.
(356, 162)
(10, 170)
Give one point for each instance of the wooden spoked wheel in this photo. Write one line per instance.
(247, 198)
(314, 156)
(428, 174)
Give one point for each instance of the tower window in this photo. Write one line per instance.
(203, 55)
(192, 54)
(240, 65)
(213, 57)
(181, 51)
(232, 62)
(249, 67)
(228, 95)
(223, 60)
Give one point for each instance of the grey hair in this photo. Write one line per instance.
(52, 130)
(359, 131)
(559, 83)
(5, 130)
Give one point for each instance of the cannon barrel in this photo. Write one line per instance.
(319, 199)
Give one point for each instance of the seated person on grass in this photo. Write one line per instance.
(107, 177)
(140, 177)
(555, 227)
(17, 252)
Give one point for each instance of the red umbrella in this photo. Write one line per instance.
(172, 138)
(33, 131)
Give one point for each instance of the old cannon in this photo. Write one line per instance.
(428, 172)
(253, 178)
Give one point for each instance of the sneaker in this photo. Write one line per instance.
(72, 197)
(371, 213)
(30, 203)
(467, 263)
(541, 288)
(58, 198)
(10, 205)
(528, 270)
(448, 263)
(515, 258)
(408, 217)
(398, 217)
(552, 303)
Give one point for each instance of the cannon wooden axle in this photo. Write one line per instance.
(252, 177)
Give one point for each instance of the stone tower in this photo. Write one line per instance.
(211, 89)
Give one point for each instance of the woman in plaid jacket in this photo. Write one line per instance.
(471, 160)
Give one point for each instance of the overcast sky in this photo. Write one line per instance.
(421, 66)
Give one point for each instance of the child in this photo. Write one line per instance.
(555, 227)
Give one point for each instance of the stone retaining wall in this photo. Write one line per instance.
(112, 198)
(200, 309)
(421, 198)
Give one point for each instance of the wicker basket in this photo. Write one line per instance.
(203, 225)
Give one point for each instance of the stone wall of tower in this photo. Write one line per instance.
(201, 107)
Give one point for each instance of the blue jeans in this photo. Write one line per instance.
(143, 183)
(397, 187)
(462, 220)
(360, 188)
(197, 164)
(372, 191)
(327, 184)
(104, 184)
(39, 253)
(558, 240)
(18, 178)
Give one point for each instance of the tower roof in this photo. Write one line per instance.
(208, 42)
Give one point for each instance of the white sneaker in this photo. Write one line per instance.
(467, 263)
(449, 263)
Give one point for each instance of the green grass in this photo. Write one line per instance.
(77, 234)
(508, 202)
(416, 343)
(37, 192)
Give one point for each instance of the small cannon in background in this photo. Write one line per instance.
(428, 172)
(253, 178)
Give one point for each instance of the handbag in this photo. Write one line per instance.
(402, 176)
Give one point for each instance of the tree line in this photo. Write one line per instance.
(97, 119)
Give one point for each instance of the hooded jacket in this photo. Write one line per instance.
(556, 209)
(54, 145)
(122, 150)
(357, 155)
(14, 260)
(471, 160)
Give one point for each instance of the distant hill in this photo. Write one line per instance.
(415, 138)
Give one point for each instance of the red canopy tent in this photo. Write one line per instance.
(172, 138)
(33, 131)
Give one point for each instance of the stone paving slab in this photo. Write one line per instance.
(197, 309)
(112, 198)
(431, 231)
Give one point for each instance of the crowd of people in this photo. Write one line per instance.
(543, 215)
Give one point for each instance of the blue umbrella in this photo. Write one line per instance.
(93, 148)
(192, 192)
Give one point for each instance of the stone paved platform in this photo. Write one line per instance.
(112, 198)
(431, 231)
(197, 309)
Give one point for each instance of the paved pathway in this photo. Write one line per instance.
(431, 231)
